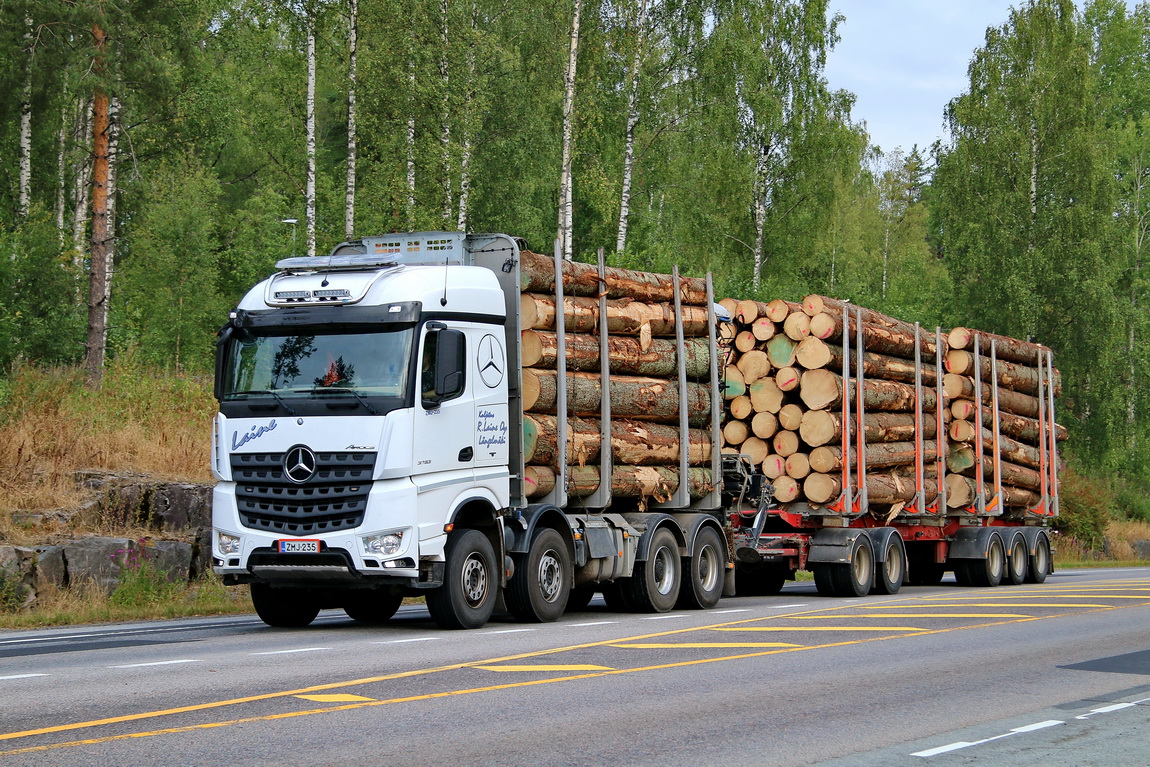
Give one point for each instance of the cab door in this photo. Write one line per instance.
(445, 403)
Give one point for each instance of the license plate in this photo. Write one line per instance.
(299, 546)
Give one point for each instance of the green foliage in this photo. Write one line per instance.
(1086, 505)
(13, 591)
(142, 583)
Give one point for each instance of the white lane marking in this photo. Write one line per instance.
(662, 617)
(725, 612)
(285, 652)
(966, 744)
(593, 623)
(1106, 710)
(417, 639)
(507, 631)
(159, 663)
(22, 676)
(788, 607)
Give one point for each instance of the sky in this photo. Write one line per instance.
(905, 59)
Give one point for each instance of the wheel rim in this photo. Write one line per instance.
(474, 580)
(663, 571)
(1041, 553)
(550, 576)
(708, 570)
(1018, 560)
(994, 559)
(862, 565)
(894, 572)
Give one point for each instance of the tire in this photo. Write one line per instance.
(467, 597)
(986, 573)
(926, 573)
(372, 607)
(890, 574)
(539, 589)
(704, 569)
(1016, 563)
(848, 579)
(580, 597)
(760, 581)
(284, 608)
(654, 584)
(1039, 562)
(616, 597)
(824, 579)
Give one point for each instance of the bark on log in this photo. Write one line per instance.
(834, 308)
(884, 366)
(1006, 348)
(956, 386)
(657, 482)
(828, 458)
(1015, 426)
(634, 443)
(540, 348)
(624, 316)
(881, 488)
(822, 427)
(876, 338)
(631, 397)
(1010, 449)
(960, 492)
(1010, 374)
(962, 461)
(766, 396)
(820, 389)
(537, 275)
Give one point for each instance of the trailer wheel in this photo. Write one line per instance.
(1016, 562)
(752, 581)
(580, 597)
(372, 607)
(983, 572)
(467, 597)
(539, 589)
(926, 573)
(1039, 564)
(703, 586)
(284, 608)
(891, 573)
(654, 585)
(848, 579)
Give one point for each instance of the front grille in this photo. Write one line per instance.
(335, 498)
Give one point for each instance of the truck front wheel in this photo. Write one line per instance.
(654, 585)
(541, 585)
(372, 607)
(284, 608)
(470, 579)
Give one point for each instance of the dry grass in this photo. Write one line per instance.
(141, 421)
(1118, 547)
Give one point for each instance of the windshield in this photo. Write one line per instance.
(365, 364)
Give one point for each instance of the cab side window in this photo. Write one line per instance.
(442, 367)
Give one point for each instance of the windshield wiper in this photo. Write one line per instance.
(343, 389)
(283, 403)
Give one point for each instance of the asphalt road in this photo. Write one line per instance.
(1051, 674)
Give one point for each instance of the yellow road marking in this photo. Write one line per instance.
(546, 668)
(452, 693)
(915, 615)
(702, 645)
(831, 628)
(340, 698)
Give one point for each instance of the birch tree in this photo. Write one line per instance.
(632, 121)
(353, 32)
(564, 232)
(25, 194)
(309, 192)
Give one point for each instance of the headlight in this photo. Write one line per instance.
(228, 544)
(384, 544)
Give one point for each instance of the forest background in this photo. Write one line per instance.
(154, 154)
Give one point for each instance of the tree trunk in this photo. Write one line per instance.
(631, 397)
(110, 216)
(82, 180)
(24, 198)
(787, 379)
(814, 305)
(1010, 449)
(781, 350)
(352, 42)
(828, 458)
(98, 268)
(881, 488)
(1006, 348)
(565, 180)
(754, 365)
(822, 427)
(468, 125)
(1015, 426)
(624, 316)
(445, 113)
(655, 482)
(61, 171)
(410, 145)
(633, 443)
(632, 121)
(627, 357)
(883, 366)
(960, 492)
(1010, 374)
(537, 275)
(813, 353)
(876, 337)
(820, 389)
(962, 461)
(309, 192)
(766, 396)
(962, 387)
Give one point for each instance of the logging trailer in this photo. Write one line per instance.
(379, 435)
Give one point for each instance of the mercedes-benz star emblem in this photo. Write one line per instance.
(490, 358)
(299, 464)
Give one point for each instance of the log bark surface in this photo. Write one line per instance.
(634, 443)
(822, 427)
(652, 399)
(626, 355)
(1010, 374)
(655, 482)
(820, 389)
(537, 275)
(624, 316)
(879, 455)
(1006, 348)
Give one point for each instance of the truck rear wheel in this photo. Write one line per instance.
(983, 572)
(470, 579)
(541, 585)
(654, 585)
(373, 607)
(892, 571)
(1016, 562)
(1039, 564)
(285, 608)
(847, 579)
(703, 586)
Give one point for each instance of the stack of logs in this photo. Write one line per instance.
(644, 387)
(784, 393)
